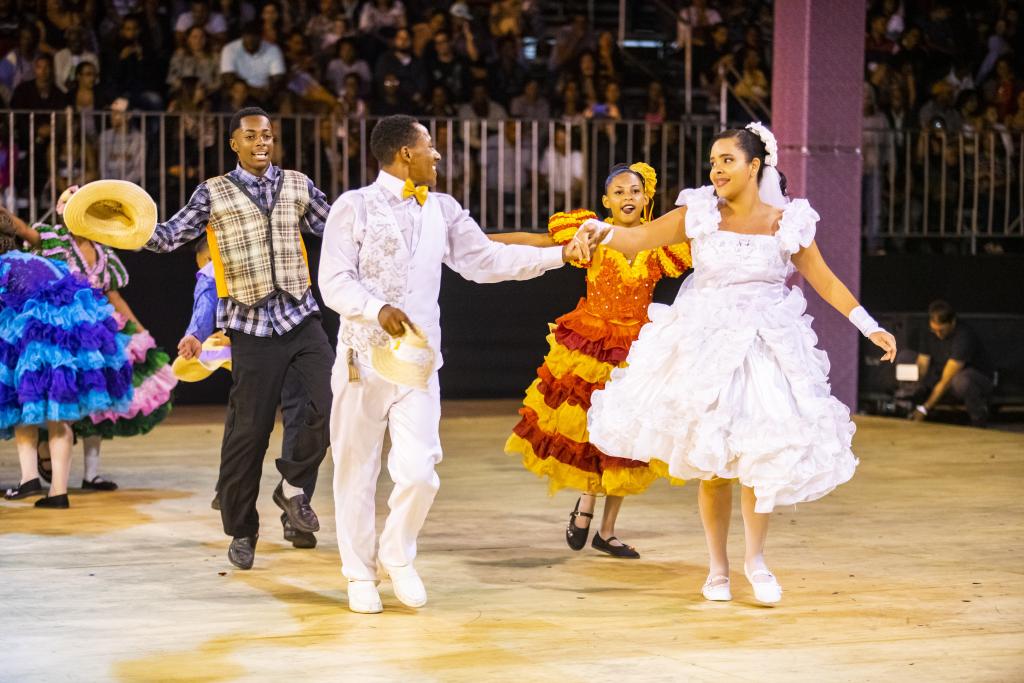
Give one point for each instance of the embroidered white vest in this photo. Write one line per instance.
(384, 264)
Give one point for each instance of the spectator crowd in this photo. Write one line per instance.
(930, 64)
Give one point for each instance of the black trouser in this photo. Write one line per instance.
(971, 386)
(258, 369)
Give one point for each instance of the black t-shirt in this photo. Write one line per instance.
(962, 345)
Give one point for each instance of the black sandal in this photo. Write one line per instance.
(32, 487)
(605, 546)
(576, 536)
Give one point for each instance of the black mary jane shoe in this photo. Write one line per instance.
(32, 487)
(54, 502)
(576, 536)
(98, 483)
(623, 551)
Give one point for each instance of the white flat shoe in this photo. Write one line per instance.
(768, 592)
(408, 586)
(719, 592)
(364, 598)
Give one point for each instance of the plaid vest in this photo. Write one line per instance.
(256, 254)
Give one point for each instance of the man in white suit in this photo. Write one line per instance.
(380, 269)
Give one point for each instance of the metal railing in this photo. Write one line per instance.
(961, 187)
(512, 174)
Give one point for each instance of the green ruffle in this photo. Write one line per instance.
(156, 358)
(138, 425)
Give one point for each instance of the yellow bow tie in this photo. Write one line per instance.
(418, 191)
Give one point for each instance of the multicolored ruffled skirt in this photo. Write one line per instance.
(154, 383)
(61, 356)
(552, 436)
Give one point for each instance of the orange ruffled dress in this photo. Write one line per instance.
(585, 346)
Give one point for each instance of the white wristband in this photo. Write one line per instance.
(608, 237)
(863, 321)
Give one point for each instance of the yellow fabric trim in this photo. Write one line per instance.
(616, 481)
(568, 420)
(680, 251)
(565, 235)
(305, 257)
(559, 474)
(561, 361)
(218, 264)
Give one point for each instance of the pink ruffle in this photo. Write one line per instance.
(140, 344)
(150, 395)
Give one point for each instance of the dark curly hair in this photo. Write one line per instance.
(391, 134)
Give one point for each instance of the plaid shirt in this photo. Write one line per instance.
(280, 313)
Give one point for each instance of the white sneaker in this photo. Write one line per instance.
(768, 592)
(718, 592)
(364, 598)
(407, 584)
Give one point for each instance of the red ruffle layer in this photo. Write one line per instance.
(582, 456)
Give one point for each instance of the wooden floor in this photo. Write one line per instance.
(912, 572)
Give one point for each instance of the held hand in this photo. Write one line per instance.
(887, 343)
(189, 347)
(391, 319)
(594, 231)
(574, 251)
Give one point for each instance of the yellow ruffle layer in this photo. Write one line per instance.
(561, 361)
(616, 481)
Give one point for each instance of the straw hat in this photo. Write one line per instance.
(407, 361)
(216, 354)
(113, 212)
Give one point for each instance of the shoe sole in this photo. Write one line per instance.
(617, 557)
(716, 599)
(365, 611)
(280, 502)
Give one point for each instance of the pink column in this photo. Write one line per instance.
(817, 95)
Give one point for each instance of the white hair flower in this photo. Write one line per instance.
(771, 145)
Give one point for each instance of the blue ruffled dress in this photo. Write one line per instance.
(61, 357)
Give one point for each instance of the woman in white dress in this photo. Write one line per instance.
(727, 383)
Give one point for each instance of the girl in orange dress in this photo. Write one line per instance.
(585, 346)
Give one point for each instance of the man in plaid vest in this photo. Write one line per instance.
(252, 218)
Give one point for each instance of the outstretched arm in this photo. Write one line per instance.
(528, 239)
(476, 258)
(21, 229)
(812, 266)
(661, 232)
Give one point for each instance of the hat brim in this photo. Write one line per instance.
(402, 372)
(198, 369)
(190, 370)
(112, 212)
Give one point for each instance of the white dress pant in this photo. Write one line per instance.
(361, 412)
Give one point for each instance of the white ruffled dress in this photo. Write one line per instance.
(727, 381)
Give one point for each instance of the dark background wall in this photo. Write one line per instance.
(494, 335)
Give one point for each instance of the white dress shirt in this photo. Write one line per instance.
(466, 250)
